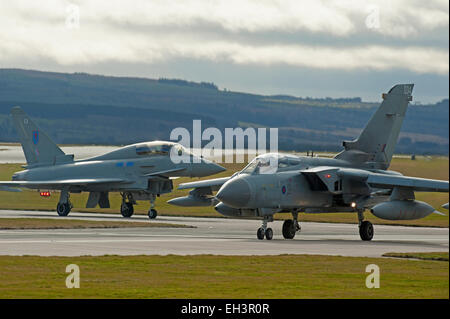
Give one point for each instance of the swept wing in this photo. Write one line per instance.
(59, 184)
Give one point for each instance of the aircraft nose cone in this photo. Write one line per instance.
(235, 193)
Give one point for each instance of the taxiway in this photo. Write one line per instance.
(219, 236)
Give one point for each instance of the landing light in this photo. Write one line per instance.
(45, 194)
(353, 204)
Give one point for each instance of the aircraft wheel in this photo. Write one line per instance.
(127, 209)
(289, 229)
(366, 230)
(260, 233)
(269, 233)
(63, 209)
(152, 213)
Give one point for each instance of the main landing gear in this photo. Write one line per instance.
(64, 205)
(126, 208)
(291, 226)
(264, 231)
(152, 213)
(365, 227)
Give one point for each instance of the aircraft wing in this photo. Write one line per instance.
(378, 180)
(167, 171)
(58, 184)
(327, 178)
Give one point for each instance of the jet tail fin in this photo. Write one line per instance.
(38, 148)
(377, 140)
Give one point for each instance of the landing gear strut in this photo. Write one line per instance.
(264, 230)
(64, 205)
(365, 227)
(291, 226)
(152, 213)
(126, 208)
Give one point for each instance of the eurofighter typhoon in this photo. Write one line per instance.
(140, 171)
(355, 180)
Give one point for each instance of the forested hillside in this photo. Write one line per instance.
(93, 109)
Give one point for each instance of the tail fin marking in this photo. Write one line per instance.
(38, 148)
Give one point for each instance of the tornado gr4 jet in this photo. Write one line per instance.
(355, 180)
(140, 171)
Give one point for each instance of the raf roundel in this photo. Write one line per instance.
(283, 189)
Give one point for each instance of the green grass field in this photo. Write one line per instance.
(286, 276)
(435, 167)
(48, 223)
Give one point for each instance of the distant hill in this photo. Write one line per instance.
(95, 109)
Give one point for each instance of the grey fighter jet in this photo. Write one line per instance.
(355, 180)
(140, 171)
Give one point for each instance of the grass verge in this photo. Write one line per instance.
(48, 223)
(441, 256)
(206, 276)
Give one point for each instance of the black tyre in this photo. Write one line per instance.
(269, 233)
(152, 213)
(289, 229)
(63, 209)
(260, 233)
(366, 230)
(127, 209)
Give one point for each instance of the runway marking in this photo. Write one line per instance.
(214, 236)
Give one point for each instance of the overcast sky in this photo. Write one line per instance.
(303, 48)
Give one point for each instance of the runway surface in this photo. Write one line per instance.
(217, 236)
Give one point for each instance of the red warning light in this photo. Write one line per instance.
(45, 194)
(328, 176)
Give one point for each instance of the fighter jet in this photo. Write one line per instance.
(355, 180)
(139, 171)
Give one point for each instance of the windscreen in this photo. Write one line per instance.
(152, 150)
(269, 163)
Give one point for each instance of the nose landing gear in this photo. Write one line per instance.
(264, 231)
(260, 233)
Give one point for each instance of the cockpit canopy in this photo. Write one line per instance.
(160, 148)
(270, 163)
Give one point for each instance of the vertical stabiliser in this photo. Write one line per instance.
(38, 148)
(377, 140)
